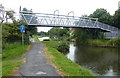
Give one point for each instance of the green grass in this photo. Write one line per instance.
(37, 36)
(11, 58)
(0, 65)
(97, 42)
(14, 51)
(8, 67)
(66, 66)
(114, 42)
(110, 42)
(36, 39)
(8, 46)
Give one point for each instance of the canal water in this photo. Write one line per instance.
(101, 61)
(42, 38)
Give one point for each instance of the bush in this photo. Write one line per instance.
(96, 42)
(6, 45)
(70, 38)
(114, 42)
(63, 47)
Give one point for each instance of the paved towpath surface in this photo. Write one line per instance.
(36, 63)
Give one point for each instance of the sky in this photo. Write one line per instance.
(80, 7)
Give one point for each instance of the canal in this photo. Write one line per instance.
(101, 61)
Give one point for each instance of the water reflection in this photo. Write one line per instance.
(71, 54)
(42, 38)
(102, 61)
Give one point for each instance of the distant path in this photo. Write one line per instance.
(36, 63)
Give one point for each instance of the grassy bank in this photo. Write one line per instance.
(109, 42)
(36, 39)
(65, 66)
(0, 65)
(11, 58)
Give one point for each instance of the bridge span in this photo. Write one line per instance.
(57, 20)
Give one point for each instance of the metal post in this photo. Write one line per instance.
(68, 15)
(55, 15)
(72, 13)
(96, 23)
(22, 40)
(20, 13)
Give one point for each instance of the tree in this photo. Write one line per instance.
(102, 15)
(42, 33)
(106, 18)
(5, 14)
(2, 14)
(9, 15)
(64, 32)
(98, 13)
(82, 35)
(11, 31)
(116, 18)
(54, 32)
(58, 32)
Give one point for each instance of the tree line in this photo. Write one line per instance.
(57, 33)
(10, 27)
(82, 36)
(105, 17)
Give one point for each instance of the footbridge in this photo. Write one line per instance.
(69, 20)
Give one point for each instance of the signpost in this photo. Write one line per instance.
(22, 30)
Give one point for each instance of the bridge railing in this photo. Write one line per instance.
(54, 19)
(107, 27)
(43, 19)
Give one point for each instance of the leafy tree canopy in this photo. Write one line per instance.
(57, 31)
(116, 18)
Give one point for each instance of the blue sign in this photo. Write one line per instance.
(22, 31)
(22, 27)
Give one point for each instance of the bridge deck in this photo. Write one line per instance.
(55, 20)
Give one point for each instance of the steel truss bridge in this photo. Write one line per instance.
(57, 20)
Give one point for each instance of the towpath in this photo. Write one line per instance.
(37, 63)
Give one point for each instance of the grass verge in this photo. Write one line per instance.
(8, 66)
(36, 39)
(63, 64)
(110, 42)
(11, 57)
(0, 65)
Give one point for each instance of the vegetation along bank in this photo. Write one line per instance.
(65, 66)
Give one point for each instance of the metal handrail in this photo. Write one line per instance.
(63, 20)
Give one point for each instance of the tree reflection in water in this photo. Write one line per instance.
(102, 61)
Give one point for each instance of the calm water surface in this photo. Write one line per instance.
(101, 61)
(42, 38)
